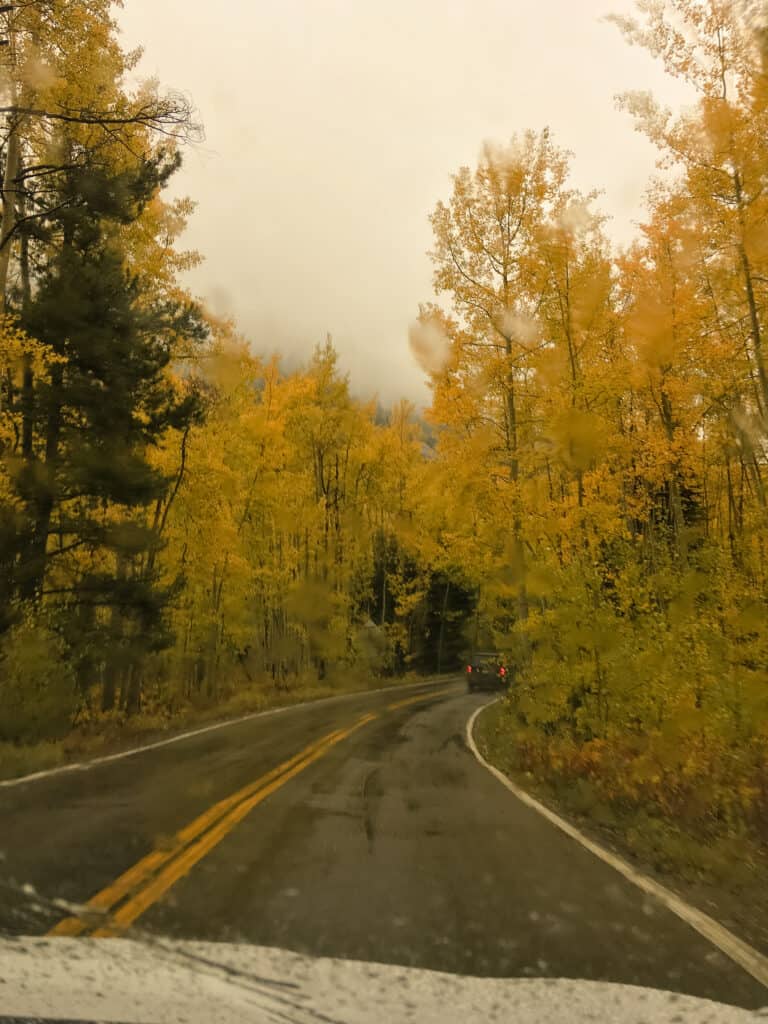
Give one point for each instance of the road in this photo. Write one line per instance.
(360, 828)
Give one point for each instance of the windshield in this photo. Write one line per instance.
(383, 516)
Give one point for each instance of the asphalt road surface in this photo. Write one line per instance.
(360, 828)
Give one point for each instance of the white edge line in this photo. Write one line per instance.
(751, 960)
(82, 766)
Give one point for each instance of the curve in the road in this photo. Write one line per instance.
(739, 951)
(95, 762)
(120, 904)
(395, 846)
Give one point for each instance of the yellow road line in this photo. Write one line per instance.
(147, 866)
(182, 864)
(146, 881)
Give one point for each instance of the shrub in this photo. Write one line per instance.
(37, 688)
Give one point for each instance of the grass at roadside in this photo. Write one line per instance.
(104, 734)
(726, 875)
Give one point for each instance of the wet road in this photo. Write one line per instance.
(360, 828)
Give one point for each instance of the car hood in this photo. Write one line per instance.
(150, 981)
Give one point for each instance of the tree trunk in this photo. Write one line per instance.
(28, 379)
(133, 691)
(441, 636)
(754, 317)
(9, 220)
(514, 472)
(113, 669)
(34, 561)
(675, 498)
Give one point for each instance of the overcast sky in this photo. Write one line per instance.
(332, 129)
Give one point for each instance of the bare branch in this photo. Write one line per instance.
(171, 116)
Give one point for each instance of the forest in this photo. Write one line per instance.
(185, 524)
(181, 522)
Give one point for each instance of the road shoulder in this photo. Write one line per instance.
(607, 847)
(131, 743)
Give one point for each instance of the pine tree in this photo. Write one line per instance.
(86, 482)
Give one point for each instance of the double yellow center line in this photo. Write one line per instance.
(116, 908)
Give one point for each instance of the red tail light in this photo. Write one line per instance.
(469, 669)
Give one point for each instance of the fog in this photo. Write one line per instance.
(333, 127)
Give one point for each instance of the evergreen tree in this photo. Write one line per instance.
(86, 482)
